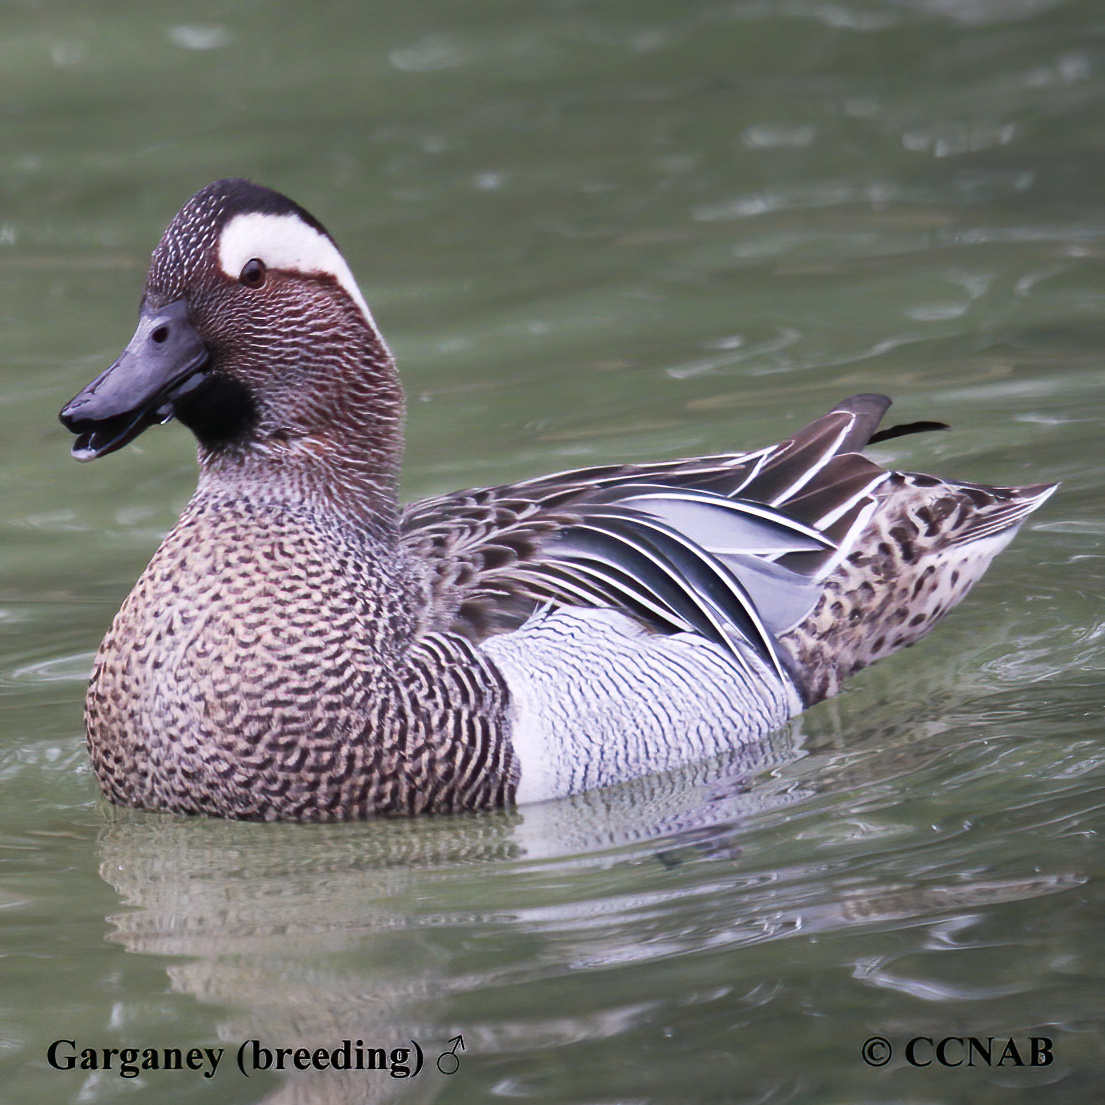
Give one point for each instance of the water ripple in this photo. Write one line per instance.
(61, 669)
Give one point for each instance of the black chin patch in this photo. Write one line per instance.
(220, 413)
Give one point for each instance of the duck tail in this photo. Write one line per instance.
(919, 547)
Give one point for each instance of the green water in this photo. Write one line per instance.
(590, 230)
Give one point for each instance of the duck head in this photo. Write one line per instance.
(253, 333)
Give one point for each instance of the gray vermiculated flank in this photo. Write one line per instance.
(578, 675)
(302, 648)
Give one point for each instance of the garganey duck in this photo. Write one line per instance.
(302, 647)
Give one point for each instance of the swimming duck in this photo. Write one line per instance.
(302, 647)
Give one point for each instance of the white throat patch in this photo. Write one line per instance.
(285, 242)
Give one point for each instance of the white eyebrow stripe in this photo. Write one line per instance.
(285, 242)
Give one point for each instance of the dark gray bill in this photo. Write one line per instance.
(164, 361)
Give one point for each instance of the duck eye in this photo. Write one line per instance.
(253, 273)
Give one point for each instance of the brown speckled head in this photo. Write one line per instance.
(227, 224)
(254, 334)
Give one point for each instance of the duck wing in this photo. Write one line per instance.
(727, 546)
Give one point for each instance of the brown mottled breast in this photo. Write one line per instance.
(265, 666)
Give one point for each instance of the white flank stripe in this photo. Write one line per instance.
(828, 519)
(847, 543)
(805, 477)
(285, 242)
